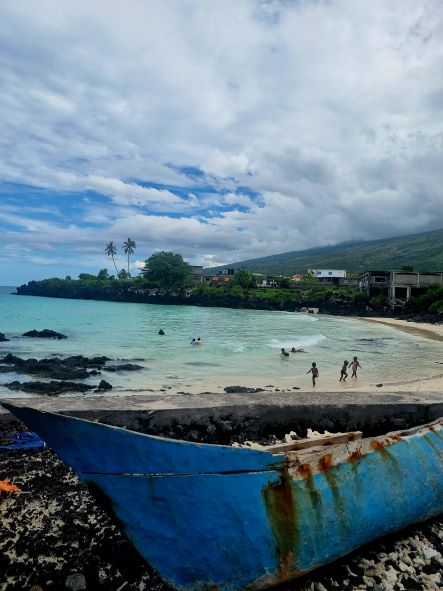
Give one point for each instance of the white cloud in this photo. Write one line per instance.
(330, 112)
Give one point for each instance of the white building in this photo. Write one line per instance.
(331, 276)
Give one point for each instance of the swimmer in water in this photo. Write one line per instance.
(199, 342)
(294, 350)
(193, 343)
(284, 353)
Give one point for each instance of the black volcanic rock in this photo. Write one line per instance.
(103, 386)
(52, 388)
(74, 367)
(3, 338)
(124, 367)
(44, 334)
(241, 390)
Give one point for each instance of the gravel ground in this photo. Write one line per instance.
(55, 537)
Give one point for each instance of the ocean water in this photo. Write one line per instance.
(238, 345)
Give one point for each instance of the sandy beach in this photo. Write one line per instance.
(423, 329)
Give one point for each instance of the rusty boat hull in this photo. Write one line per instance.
(212, 516)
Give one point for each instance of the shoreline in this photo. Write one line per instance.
(299, 383)
(427, 330)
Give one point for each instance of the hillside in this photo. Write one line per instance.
(423, 251)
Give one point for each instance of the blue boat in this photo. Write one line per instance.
(227, 518)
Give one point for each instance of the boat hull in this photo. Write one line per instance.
(208, 516)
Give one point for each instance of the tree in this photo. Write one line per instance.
(167, 269)
(111, 251)
(129, 247)
(244, 278)
(123, 274)
(285, 282)
(86, 276)
(407, 268)
(103, 274)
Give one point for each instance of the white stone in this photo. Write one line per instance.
(390, 575)
(429, 552)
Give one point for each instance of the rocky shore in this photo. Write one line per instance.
(63, 371)
(55, 536)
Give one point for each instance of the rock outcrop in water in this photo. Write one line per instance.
(75, 367)
(44, 334)
(3, 339)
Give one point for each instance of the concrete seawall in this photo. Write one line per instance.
(224, 418)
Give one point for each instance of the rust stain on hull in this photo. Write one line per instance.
(325, 463)
(282, 514)
(356, 455)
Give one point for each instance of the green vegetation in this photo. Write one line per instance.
(111, 251)
(243, 279)
(422, 252)
(129, 248)
(431, 302)
(168, 270)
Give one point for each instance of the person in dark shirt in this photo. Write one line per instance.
(344, 373)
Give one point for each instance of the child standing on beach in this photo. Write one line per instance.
(344, 373)
(354, 364)
(314, 372)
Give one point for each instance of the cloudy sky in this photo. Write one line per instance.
(220, 130)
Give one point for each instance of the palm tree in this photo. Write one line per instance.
(111, 251)
(129, 247)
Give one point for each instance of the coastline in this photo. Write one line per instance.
(301, 384)
(423, 329)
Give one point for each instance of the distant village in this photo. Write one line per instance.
(397, 286)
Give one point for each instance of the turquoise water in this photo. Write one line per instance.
(239, 345)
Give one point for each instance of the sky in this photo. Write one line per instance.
(223, 131)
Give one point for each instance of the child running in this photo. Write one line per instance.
(354, 364)
(344, 373)
(314, 372)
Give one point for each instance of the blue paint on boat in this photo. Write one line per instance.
(229, 518)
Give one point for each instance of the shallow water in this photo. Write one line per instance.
(237, 344)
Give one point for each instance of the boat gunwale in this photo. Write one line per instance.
(392, 435)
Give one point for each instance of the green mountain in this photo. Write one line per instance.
(423, 251)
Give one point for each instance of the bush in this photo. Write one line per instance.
(378, 302)
(360, 296)
(236, 291)
(436, 307)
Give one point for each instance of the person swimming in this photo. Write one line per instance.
(161, 332)
(193, 343)
(284, 353)
(294, 350)
(199, 342)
